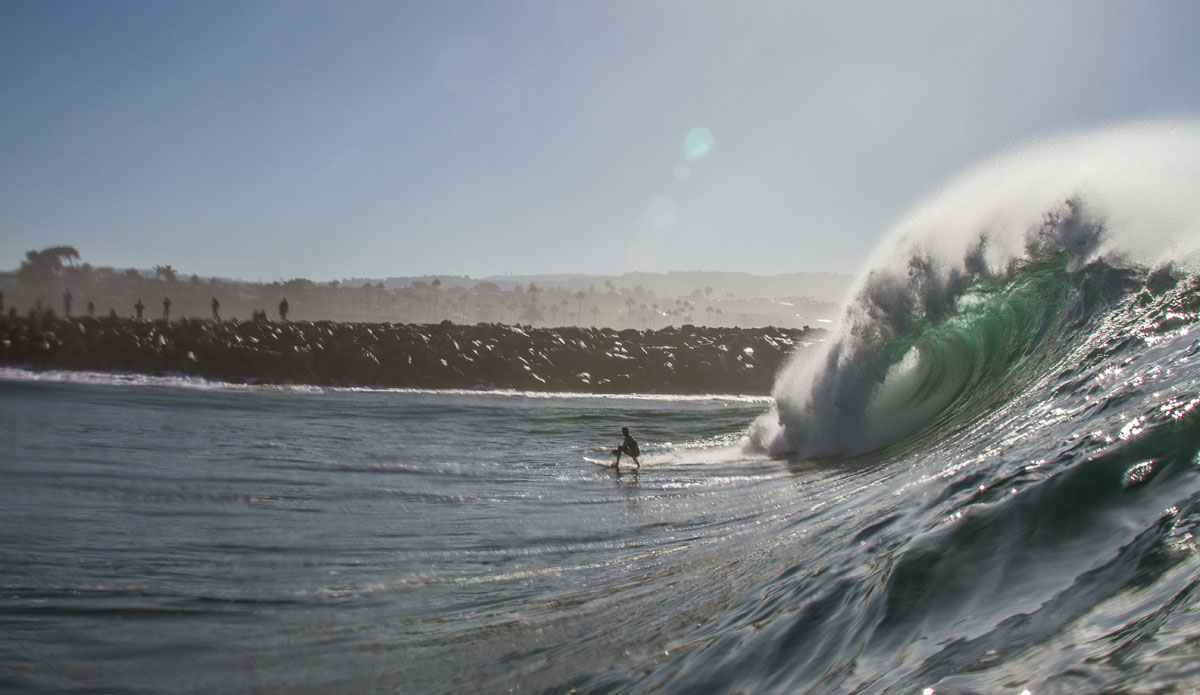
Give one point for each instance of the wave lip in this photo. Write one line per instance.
(969, 284)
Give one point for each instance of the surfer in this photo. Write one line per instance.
(629, 447)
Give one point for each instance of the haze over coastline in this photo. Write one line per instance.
(269, 141)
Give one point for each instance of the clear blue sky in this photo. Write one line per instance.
(272, 140)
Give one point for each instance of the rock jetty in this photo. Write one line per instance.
(686, 360)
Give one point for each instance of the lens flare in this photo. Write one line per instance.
(697, 144)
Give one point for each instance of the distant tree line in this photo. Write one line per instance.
(56, 280)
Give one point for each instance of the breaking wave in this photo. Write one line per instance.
(978, 292)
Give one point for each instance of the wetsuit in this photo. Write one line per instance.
(630, 446)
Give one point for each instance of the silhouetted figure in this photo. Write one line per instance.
(112, 313)
(139, 308)
(1, 301)
(67, 303)
(166, 308)
(629, 447)
(91, 308)
(283, 309)
(216, 307)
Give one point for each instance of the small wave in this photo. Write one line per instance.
(720, 450)
(560, 395)
(199, 383)
(93, 378)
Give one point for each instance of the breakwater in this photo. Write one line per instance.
(683, 360)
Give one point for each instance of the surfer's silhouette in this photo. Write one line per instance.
(629, 447)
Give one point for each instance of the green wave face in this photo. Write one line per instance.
(1000, 339)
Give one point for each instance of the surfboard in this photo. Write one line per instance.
(607, 463)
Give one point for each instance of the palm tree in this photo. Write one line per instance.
(166, 272)
(533, 313)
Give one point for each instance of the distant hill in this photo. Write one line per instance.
(54, 279)
(821, 287)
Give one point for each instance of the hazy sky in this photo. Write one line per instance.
(272, 140)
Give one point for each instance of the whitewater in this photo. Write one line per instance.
(987, 480)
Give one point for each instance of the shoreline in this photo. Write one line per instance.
(688, 360)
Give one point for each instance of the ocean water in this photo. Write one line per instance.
(177, 536)
(987, 481)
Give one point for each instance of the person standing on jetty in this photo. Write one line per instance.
(166, 308)
(139, 308)
(283, 310)
(629, 447)
(216, 307)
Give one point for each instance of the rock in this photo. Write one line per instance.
(689, 359)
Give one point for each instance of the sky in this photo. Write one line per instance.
(327, 140)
